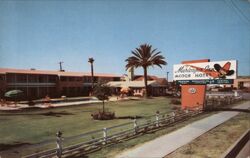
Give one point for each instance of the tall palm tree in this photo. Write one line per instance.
(144, 56)
(91, 61)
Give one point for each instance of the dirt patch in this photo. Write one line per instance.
(11, 146)
(228, 109)
(87, 110)
(50, 113)
(56, 114)
(128, 117)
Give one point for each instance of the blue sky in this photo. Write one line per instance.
(38, 34)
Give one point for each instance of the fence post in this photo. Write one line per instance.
(59, 144)
(173, 114)
(197, 111)
(105, 135)
(135, 126)
(157, 118)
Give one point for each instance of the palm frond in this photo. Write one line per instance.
(144, 56)
(136, 54)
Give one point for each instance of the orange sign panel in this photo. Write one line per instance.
(193, 95)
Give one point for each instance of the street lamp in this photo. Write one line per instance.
(167, 75)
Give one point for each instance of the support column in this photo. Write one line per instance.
(37, 79)
(27, 87)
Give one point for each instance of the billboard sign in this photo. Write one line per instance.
(221, 71)
(202, 82)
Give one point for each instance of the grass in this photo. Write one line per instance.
(215, 142)
(112, 150)
(33, 126)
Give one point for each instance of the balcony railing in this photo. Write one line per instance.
(29, 84)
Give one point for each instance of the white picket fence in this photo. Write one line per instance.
(99, 138)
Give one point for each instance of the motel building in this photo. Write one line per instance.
(136, 86)
(242, 82)
(37, 84)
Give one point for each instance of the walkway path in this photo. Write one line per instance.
(168, 143)
(61, 104)
(41, 105)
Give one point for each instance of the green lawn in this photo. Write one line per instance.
(32, 126)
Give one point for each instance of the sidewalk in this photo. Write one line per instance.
(40, 105)
(168, 143)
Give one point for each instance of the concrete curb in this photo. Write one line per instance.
(235, 148)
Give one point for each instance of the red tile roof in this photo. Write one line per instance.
(161, 81)
(141, 77)
(50, 72)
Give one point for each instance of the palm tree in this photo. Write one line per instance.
(91, 61)
(144, 57)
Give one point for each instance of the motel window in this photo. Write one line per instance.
(71, 91)
(1, 78)
(78, 79)
(10, 78)
(71, 78)
(104, 79)
(64, 90)
(63, 78)
(52, 92)
(32, 78)
(42, 79)
(116, 79)
(52, 78)
(84, 79)
(21, 78)
(87, 79)
(79, 89)
(240, 84)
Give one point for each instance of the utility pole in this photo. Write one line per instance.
(91, 61)
(60, 63)
(167, 75)
(167, 78)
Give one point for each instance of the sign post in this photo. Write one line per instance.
(193, 76)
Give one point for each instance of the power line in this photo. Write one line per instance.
(238, 11)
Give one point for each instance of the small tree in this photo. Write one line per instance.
(102, 92)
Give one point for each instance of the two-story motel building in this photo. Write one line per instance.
(40, 83)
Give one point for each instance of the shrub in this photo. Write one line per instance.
(31, 103)
(175, 102)
(103, 115)
(176, 108)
